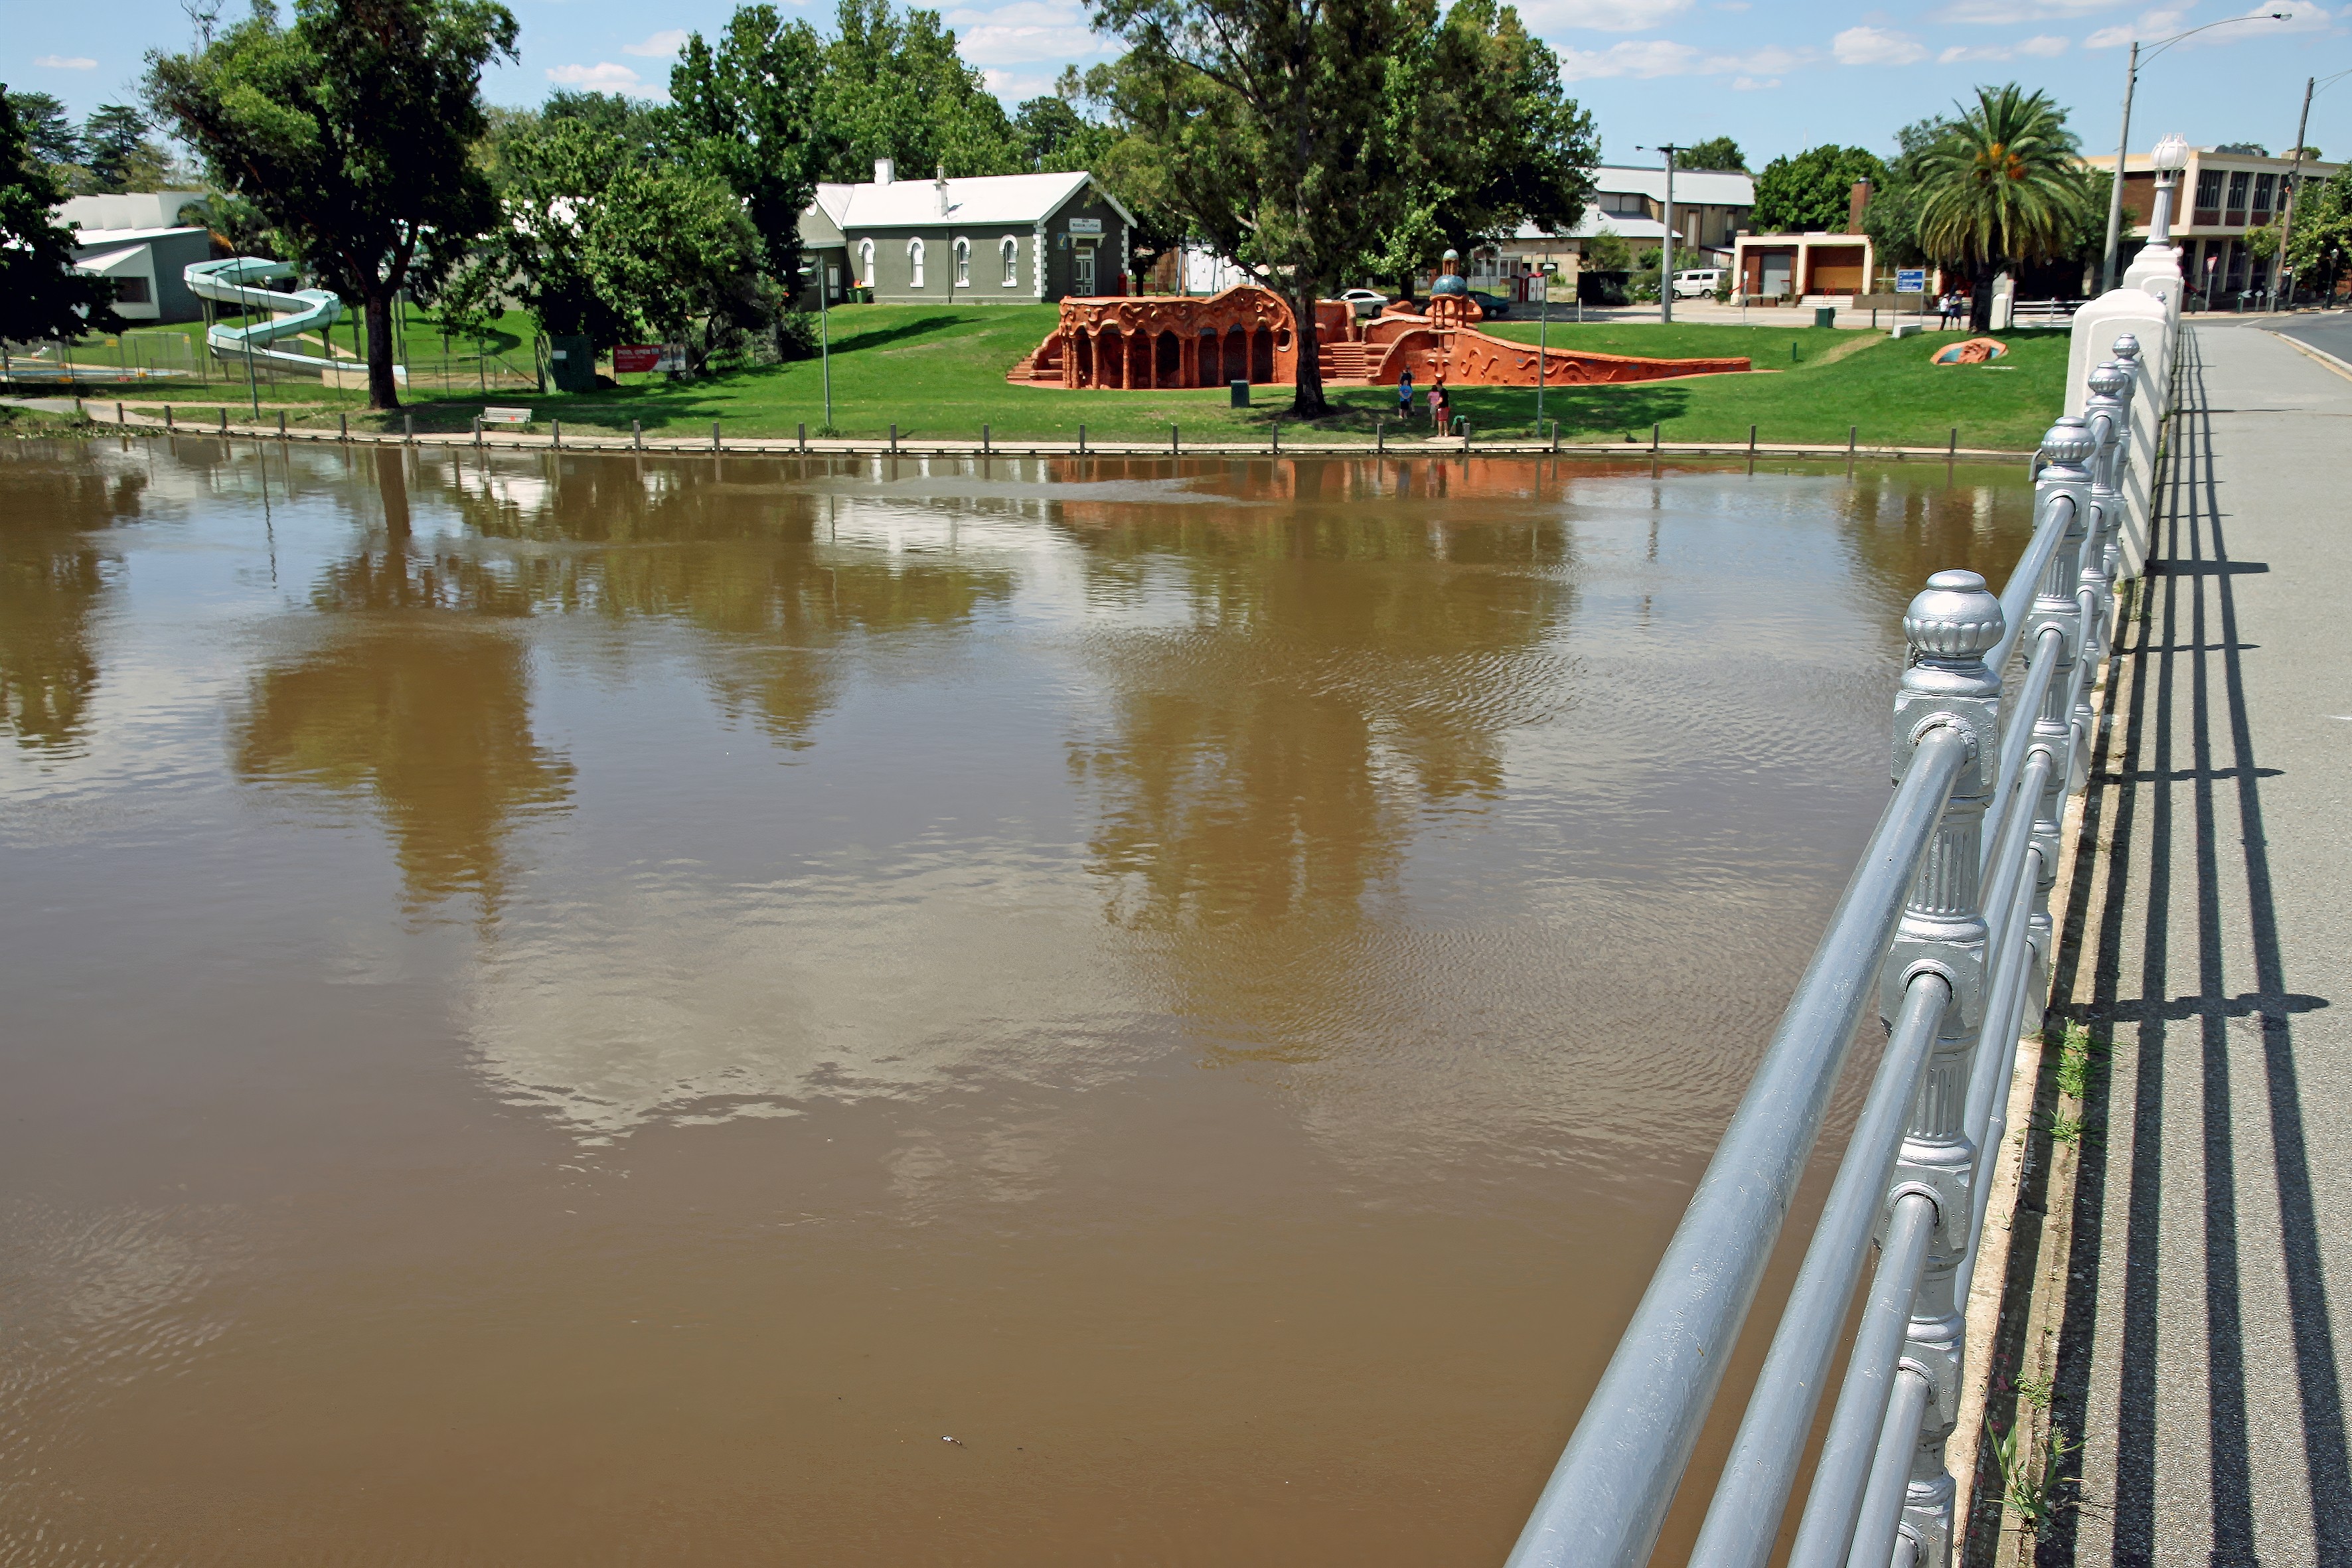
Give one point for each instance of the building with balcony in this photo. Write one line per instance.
(2225, 193)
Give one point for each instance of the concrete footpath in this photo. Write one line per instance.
(2207, 1337)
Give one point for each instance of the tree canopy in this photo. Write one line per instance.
(893, 86)
(749, 109)
(2001, 185)
(40, 294)
(1813, 190)
(352, 133)
(1717, 153)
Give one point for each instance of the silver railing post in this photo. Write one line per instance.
(2069, 447)
(1951, 627)
(2102, 410)
(2127, 352)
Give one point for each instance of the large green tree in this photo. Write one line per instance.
(351, 132)
(1485, 137)
(2000, 186)
(2322, 239)
(40, 294)
(894, 86)
(1257, 115)
(1716, 153)
(1812, 191)
(748, 106)
(49, 130)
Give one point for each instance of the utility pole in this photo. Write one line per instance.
(2115, 190)
(1666, 252)
(2310, 85)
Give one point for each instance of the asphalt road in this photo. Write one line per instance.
(2331, 332)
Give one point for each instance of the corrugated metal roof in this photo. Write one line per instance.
(89, 238)
(1699, 187)
(984, 201)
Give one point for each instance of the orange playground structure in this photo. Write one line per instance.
(1246, 333)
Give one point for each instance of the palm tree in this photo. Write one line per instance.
(2000, 186)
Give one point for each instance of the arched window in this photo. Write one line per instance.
(963, 263)
(915, 263)
(865, 262)
(1011, 247)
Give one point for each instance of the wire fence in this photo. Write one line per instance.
(179, 360)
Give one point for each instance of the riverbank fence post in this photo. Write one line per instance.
(1653, 440)
(636, 436)
(894, 437)
(804, 436)
(715, 447)
(1175, 444)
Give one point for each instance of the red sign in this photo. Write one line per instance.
(635, 358)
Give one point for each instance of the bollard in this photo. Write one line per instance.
(1952, 447)
(408, 428)
(477, 432)
(636, 436)
(1555, 436)
(984, 448)
(1379, 435)
(1082, 440)
(281, 424)
(556, 438)
(1653, 440)
(1751, 443)
(167, 416)
(342, 427)
(1466, 435)
(804, 435)
(894, 438)
(119, 418)
(1274, 440)
(224, 413)
(1851, 431)
(714, 436)
(1175, 446)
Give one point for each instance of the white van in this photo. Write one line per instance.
(1699, 284)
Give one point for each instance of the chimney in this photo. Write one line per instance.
(1857, 201)
(884, 170)
(941, 183)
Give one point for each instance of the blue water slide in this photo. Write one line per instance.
(290, 315)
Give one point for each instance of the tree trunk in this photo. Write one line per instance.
(1981, 276)
(1307, 403)
(1404, 286)
(383, 390)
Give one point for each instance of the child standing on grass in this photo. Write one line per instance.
(1405, 395)
(1437, 404)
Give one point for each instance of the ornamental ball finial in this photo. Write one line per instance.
(2127, 347)
(2107, 379)
(1955, 617)
(2069, 444)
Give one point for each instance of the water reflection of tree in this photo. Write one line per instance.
(54, 570)
(738, 559)
(1340, 672)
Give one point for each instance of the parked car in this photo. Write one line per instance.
(1367, 301)
(1699, 283)
(1495, 305)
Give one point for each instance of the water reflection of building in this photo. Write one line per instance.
(55, 567)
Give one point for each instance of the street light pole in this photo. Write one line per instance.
(2122, 144)
(1666, 252)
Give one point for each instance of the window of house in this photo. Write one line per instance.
(2263, 185)
(865, 263)
(132, 291)
(914, 263)
(963, 263)
(1009, 248)
(2240, 180)
(2208, 196)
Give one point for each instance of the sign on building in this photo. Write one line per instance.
(1911, 281)
(1085, 225)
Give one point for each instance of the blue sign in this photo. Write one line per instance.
(1911, 281)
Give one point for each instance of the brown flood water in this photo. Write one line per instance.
(590, 1010)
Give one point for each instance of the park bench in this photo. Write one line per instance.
(505, 416)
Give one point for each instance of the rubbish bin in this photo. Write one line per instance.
(1241, 393)
(1825, 315)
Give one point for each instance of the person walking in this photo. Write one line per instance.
(1405, 395)
(1437, 403)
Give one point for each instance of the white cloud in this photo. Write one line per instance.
(2149, 25)
(2009, 12)
(2302, 17)
(1750, 84)
(2041, 46)
(1876, 46)
(1026, 32)
(605, 77)
(1603, 16)
(67, 63)
(658, 46)
(1731, 4)
(1662, 57)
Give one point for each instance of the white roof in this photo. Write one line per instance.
(90, 237)
(1595, 221)
(133, 209)
(111, 259)
(984, 201)
(1697, 187)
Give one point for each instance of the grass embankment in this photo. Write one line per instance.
(939, 372)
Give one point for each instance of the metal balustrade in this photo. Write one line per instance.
(1946, 928)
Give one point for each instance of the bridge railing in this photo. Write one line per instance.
(1944, 928)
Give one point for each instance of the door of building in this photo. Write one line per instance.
(1082, 272)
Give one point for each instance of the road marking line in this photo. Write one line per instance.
(2327, 361)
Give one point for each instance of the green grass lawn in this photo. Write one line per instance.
(938, 373)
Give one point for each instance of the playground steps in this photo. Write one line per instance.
(1343, 364)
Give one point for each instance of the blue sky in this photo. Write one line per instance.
(1779, 76)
